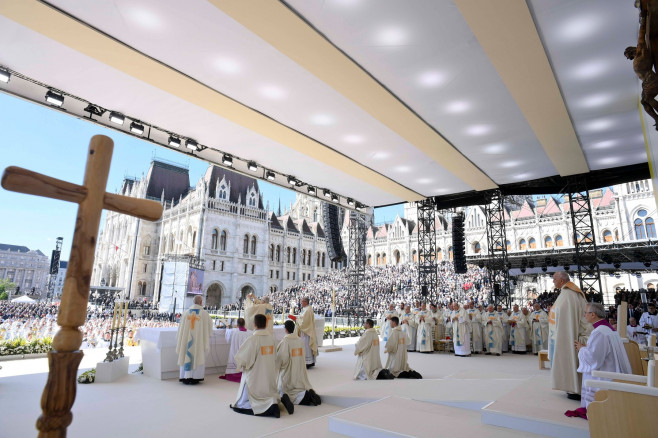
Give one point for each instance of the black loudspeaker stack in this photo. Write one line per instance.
(458, 256)
(330, 217)
(424, 292)
(496, 289)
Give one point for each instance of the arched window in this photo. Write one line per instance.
(477, 248)
(532, 243)
(639, 229)
(369, 259)
(323, 254)
(383, 258)
(548, 242)
(278, 253)
(522, 245)
(271, 252)
(509, 245)
(651, 228)
(194, 239)
(559, 241)
(303, 256)
(439, 254)
(172, 240)
(414, 256)
(253, 245)
(607, 236)
(222, 241)
(450, 253)
(616, 235)
(164, 244)
(294, 255)
(317, 260)
(308, 257)
(288, 254)
(245, 244)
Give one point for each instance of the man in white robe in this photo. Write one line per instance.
(518, 323)
(635, 332)
(307, 333)
(397, 353)
(254, 306)
(649, 321)
(493, 331)
(604, 351)
(503, 320)
(408, 324)
(384, 326)
(235, 338)
(539, 320)
(368, 362)
(258, 393)
(566, 324)
(425, 330)
(460, 330)
(293, 384)
(476, 328)
(192, 342)
(439, 324)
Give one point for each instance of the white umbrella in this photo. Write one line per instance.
(23, 299)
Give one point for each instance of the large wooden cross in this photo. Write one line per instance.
(63, 361)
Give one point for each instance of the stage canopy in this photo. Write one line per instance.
(381, 101)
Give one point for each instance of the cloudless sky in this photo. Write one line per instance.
(55, 144)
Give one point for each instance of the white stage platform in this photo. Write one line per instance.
(481, 396)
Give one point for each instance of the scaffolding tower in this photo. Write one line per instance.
(427, 273)
(497, 246)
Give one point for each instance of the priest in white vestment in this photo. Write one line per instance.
(649, 321)
(424, 331)
(604, 351)
(518, 323)
(235, 338)
(503, 320)
(476, 327)
(258, 394)
(254, 306)
(368, 362)
(192, 342)
(539, 321)
(397, 353)
(461, 331)
(493, 331)
(408, 326)
(439, 324)
(307, 333)
(293, 384)
(566, 323)
(384, 326)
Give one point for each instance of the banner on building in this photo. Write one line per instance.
(195, 282)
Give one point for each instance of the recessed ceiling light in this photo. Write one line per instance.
(4, 75)
(322, 120)
(458, 106)
(380, 155)
(136, 128)
(477, 130)
(431, 79)
(599, 124)
(579, 27)
(272, 92)
(227, 65)
(353, 139)
(590, 69)
(606, 161)
(142, 17)
(391, 36)
(402, 169)
(424, 181)
(596, 100)
(495, 149)
(174, 141)
(510, 164)
(606, 144)
(54, 98)
(252, 166)
(117, 118)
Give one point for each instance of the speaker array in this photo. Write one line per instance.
(458, 255)
(330, 218)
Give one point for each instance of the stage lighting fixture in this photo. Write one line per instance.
(136, 128)
(531, 264)
(481, 265)
(326, 193)
(647, 264)
(117, 118)
(54, 98)
(350, 202)
(617, 265)
(508, 265)
(522, 269)
(292, 180)
(93, 110)
(555, 263)
(334, 197)
(544, 268)
(4, 76)
(270, 175)
(192, 145)
(227, 160)
(174, 141)
(567, 267)
(311, 190)
(638, 274)
(360, 206)
(252, 166)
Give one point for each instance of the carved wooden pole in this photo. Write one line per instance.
(59, 393)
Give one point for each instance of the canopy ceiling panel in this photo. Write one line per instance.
(380, 100)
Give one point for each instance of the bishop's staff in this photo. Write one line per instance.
(63, 361)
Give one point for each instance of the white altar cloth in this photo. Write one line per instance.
(159, 356)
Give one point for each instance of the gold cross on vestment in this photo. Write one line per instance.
(91, 197)
(193, 317)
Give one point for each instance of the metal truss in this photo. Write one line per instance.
(497, 245)
(584, 239)
(356, 266)
(427, 273)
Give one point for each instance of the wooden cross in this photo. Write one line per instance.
(63, 361)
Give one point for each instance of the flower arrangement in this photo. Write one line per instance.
(87, 376)
(22, 346)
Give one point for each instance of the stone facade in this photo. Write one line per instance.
(26, 268)
(222, 221)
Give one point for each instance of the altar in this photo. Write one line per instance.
(159, 356)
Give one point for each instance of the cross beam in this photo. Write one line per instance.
(59, 393)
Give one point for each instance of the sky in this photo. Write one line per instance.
(55, 144)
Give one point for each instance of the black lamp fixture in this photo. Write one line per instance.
(647, 264)
(136, 128)
(94, 110)
(334, 197)
(4, 75)
(567, 267)
(192, 144)
(227, 159)
(311, 190)
(522, 269)
(270, 175)
(350, 202)
(174, 141)
(54, 98)
(251, 165)
(326, 193)
(292, 180)
(117, 118)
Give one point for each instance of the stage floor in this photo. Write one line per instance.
(452, 394)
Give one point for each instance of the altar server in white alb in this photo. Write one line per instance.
(503, 320)
(192, 343)
(293, 384)
(649, 321)
(493, 331)
(461, 331)
(397, 353)
(518, 324)
(384, 326)
(604, 351)
(408, 326)
(307, 333)
(476, 327)
(235, 338)
(368, 362)
(258, 393)
(539, 320)
(425, 330)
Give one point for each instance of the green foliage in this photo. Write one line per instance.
(3, 296)
(87, 376)
(22, 346)
(4, 285)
